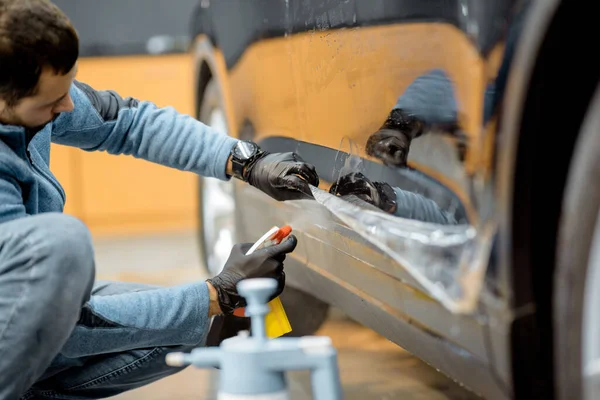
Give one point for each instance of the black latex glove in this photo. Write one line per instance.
(283, 176)
(264, 263)
(379, 194)
(390, 146)
(391, 143)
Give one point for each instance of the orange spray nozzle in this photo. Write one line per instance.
(281, 234)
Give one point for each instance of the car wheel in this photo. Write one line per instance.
(218, 228)
(306, 313)
(216, 198)
(577, 277)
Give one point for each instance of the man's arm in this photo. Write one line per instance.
(105, 121)
(415, 206)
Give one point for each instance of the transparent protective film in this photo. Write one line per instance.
(442, 258)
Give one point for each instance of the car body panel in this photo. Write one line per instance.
(319, 78)
(256, 20)
(336, 250)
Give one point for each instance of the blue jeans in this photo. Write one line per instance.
(62, 336)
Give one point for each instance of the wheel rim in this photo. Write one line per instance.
(218, 210)
(591, 321)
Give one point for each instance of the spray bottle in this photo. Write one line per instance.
(277, 322)
(254, 367)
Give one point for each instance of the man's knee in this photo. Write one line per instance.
(62, 234)
(66, 243)
(58, 245)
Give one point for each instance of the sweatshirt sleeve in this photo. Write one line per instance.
(414, 206)
(11, 199)
(104, 121)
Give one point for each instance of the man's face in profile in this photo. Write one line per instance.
(50, 99)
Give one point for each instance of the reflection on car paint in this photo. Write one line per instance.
(428, 104)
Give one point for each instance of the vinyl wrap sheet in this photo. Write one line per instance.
(444, 259)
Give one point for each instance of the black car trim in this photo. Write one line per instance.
(233, 25)
(329, 162)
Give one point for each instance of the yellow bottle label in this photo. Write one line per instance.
(276, 321)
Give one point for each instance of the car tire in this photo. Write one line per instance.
(305, 312)
(216, 199)
(577, 273)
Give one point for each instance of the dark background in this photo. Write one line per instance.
(123, 27)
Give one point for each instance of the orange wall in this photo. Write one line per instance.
(121, 194)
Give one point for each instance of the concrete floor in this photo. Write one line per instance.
(371, 367)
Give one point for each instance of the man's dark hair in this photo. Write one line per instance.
(34, 34)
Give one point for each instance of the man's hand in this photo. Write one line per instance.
(265, 263)
(283, 176)
(391, 143)
(379, 194)
(390, 146)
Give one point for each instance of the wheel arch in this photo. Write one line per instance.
(204, 76)
(541, 100)
(210, 64)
